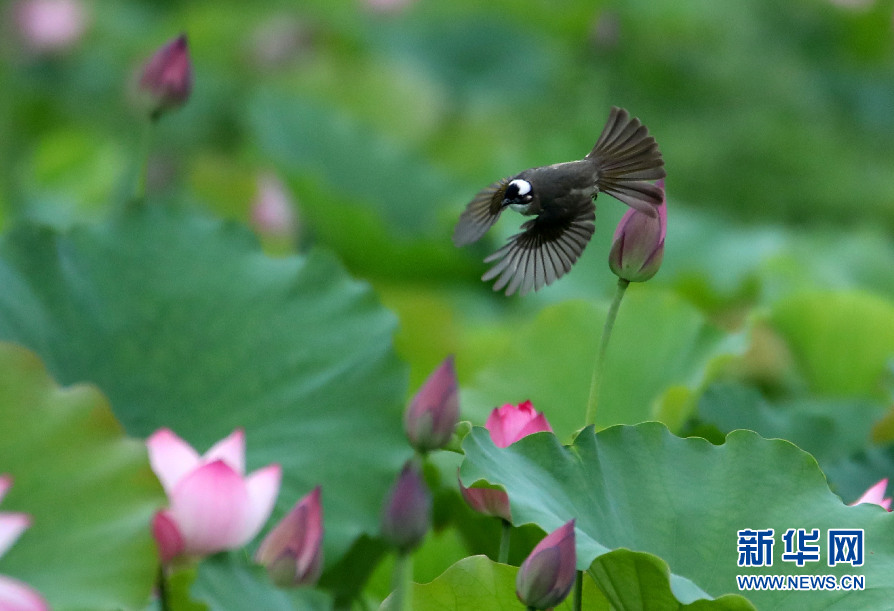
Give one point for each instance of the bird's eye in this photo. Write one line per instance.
(519, 189)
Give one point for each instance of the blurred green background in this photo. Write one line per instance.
(378, 120)
(371, 123)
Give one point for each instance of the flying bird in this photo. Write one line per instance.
(560, 198)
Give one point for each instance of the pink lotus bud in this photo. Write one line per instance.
(875, 495)
(407, 514)
(434, 412)
(545, 577)
(213, 505)
(510, 423)
(166, 80)
(293, 551)
(50, 26)
(273, 212)
(506, 425)
(487, 501)
(638, 246)
(15, 595)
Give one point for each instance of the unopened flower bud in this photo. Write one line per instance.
(638, 245)
(433, 413)
(509, 423)
(166, 80)
(407, 514)
(292, 551)
(487, 501)
(545, 577)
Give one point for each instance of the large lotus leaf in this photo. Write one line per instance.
(88, 488)
(478, 582)
(637, 580)
(634, 581)
(185, 323)
(684, 500)
(841, 341)
(661, 347)
(225, 582)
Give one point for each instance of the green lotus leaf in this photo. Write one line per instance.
(684, 500)
(184, 323)
(88, 488)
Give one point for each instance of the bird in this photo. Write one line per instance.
(561, 200)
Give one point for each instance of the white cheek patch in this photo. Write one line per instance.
(523, 186)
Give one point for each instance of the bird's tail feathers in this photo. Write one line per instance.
(626, 157)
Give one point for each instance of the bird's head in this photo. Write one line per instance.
(519, 195)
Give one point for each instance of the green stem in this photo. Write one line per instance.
(402, 580)
(578, 591)
(600, 356)
(162, 586)
(139, 192)
(503, 556)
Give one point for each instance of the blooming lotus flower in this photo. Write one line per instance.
(213, 505)
(166, 80)
(15, 595)
(509, 423)
(434, 412)
(292, 551)
(545, 577)
(407, 514)
(638, 245)
(506, 425)
(875, 495)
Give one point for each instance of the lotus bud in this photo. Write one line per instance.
(509, 423)
(638, 245)
(433, 413)
(407, 515)
(293, 550)
(166, 80)
(546, 576)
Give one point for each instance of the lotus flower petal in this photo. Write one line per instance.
(16, 596)
(170, 457)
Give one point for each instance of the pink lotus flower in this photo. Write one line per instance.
(638, 245)
(272, 211)
(433, 413)
(292, 551)
(213, 505)
(50, 26)
(510, 423)
(875, 495)
(166, 80)
(15, 595)
(506, 425)
(545, 577)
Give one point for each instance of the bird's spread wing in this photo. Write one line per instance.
(544, 250)
(626, 156)
(482, 212)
